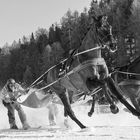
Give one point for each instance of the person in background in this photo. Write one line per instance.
(9, 94)
(52, 108)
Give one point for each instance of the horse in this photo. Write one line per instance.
(128, 78)
(86, 70)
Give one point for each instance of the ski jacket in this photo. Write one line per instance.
(9, 96)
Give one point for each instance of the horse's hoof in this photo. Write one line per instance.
(87, 129)
(84, 127)
(114, 109)
(90, 114)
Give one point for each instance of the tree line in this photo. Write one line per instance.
(30, 57)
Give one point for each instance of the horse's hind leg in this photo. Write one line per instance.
(66, 103)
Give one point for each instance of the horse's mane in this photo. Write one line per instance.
(89, 40)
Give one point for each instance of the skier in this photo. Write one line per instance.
(9, 95)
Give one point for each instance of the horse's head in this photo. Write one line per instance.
(104, 33)
(98, 36)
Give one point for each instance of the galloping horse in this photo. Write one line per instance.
(87, 70)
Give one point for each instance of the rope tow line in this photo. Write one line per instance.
(124, 72)
(76, 69)
(36, 81)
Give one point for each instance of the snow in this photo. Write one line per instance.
(103, 125)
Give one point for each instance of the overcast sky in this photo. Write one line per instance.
(22, 17)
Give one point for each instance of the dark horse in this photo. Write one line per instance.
(87, 70)
(128, 78)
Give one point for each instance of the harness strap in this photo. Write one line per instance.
(131, 73)
(95, 61)
(51, 68)
(129, 82)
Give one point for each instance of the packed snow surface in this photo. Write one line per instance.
(103, 125)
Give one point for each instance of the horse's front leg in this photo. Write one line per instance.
(93, 106)
(69, 96)
(65, 112)
(69, 111)
(114, 109)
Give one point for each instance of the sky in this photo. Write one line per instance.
(22, 17)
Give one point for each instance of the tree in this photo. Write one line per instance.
(121, 13)
(27, 76)
(42, 41)
(46, 58)
(58, 34)
(69, 30)
(32, 39)
(52, 34)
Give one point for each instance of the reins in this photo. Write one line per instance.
(124, 72)
(61, 62)
(36, 81)
(130, 73)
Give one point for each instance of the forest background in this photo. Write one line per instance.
(30, 57)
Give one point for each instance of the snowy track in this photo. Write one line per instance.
(101, 126)
(96, 133)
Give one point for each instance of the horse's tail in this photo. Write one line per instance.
(114, 88)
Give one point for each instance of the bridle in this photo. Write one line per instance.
(101, 43)
(104, 37)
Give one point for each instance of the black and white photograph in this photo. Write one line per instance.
(70, 69)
